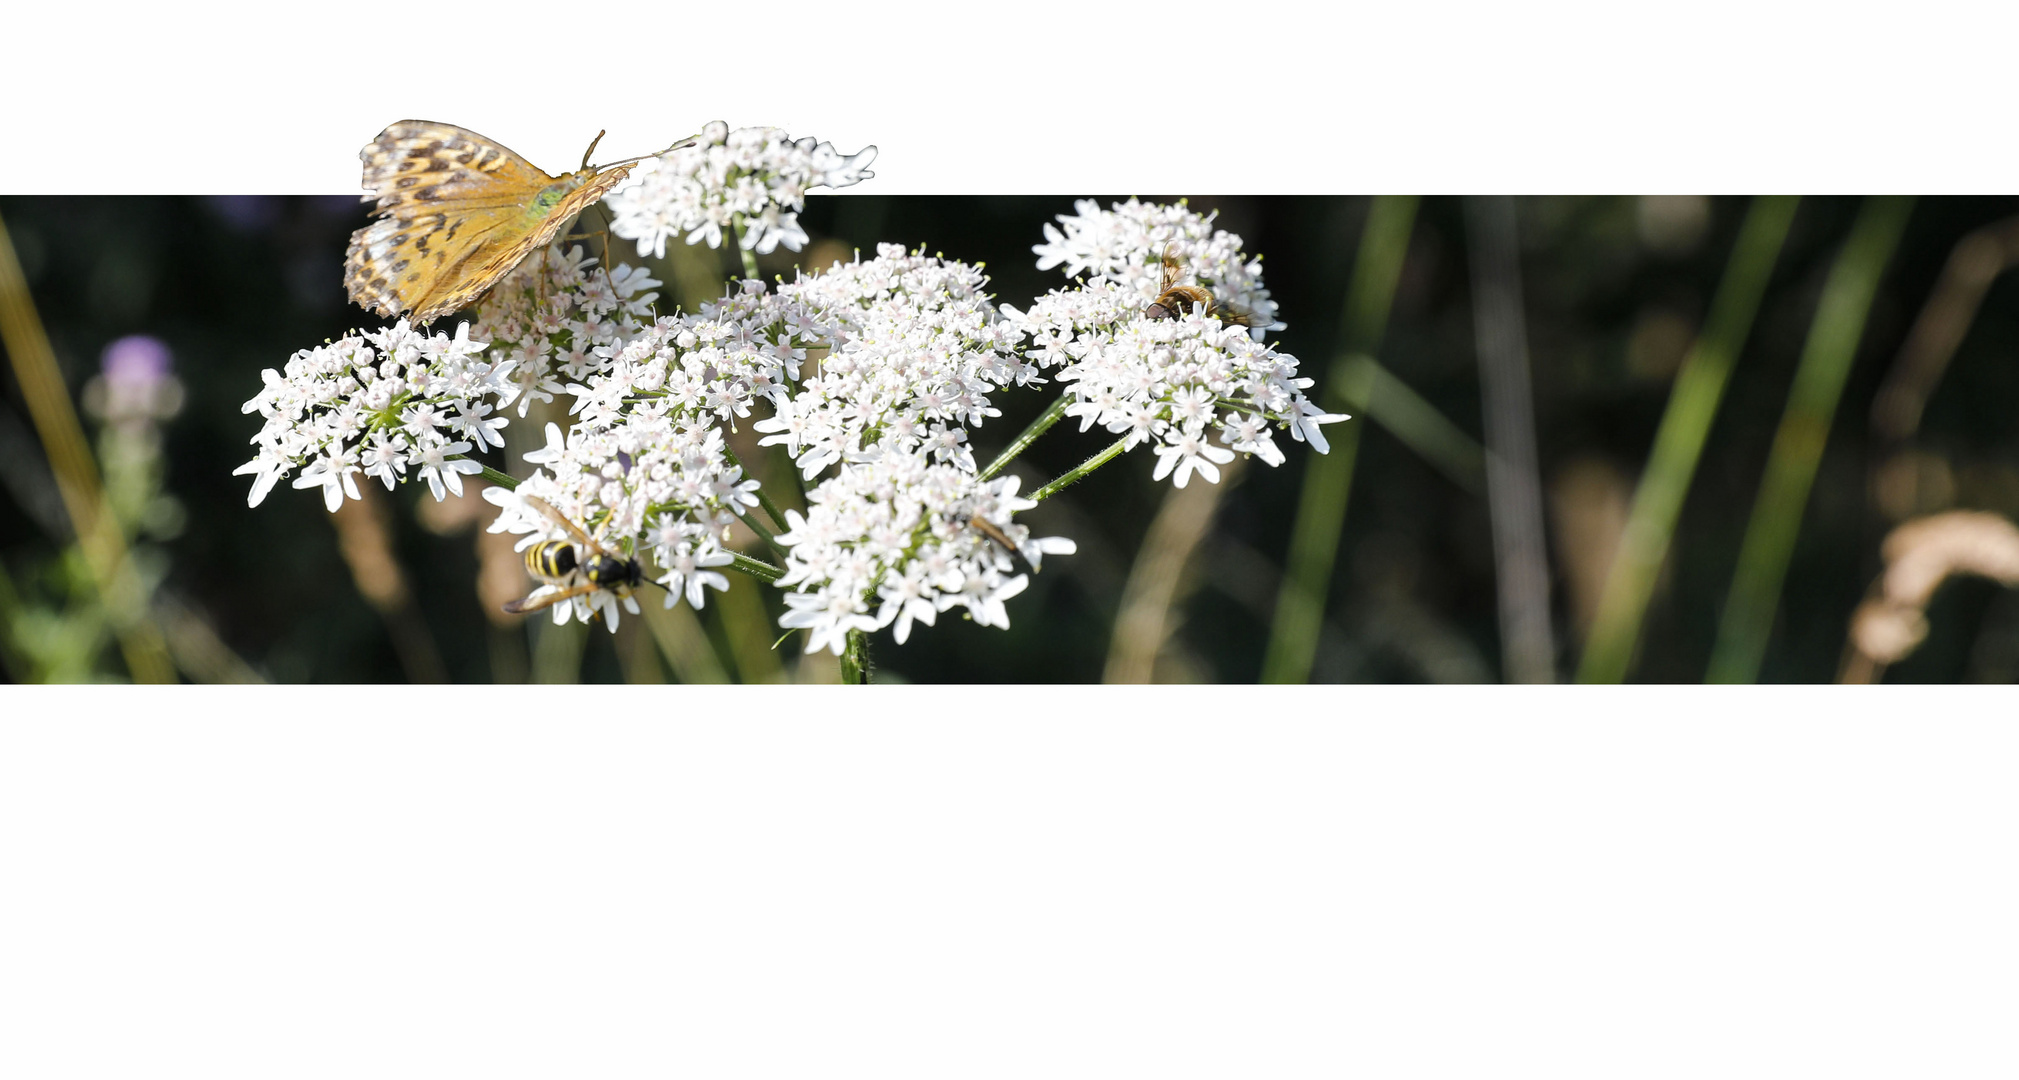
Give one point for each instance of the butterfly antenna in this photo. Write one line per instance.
(592, 147)
(682, 144)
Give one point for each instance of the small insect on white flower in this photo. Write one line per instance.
(1161, 341)
(578, 567)
(920, 536)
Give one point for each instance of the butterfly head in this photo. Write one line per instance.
(552, 195)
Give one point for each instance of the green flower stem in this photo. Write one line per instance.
(749, 256)
(1328, 479)
(1798, 444)
(1084, 467)
(855, 660)
(1029, 435)
(769, 540)
(1679, 442)
(763, 500)
(756, 568)
(503, 480)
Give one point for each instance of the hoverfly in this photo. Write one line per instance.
(1174, 299)
(575, 567)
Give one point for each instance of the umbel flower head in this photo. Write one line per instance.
(895, 540)
(559, 314)
(913, 347)
(378, 403)
(756, 175)
(1127, 245)
(1176, 383)
(645, 464)
(656, 487)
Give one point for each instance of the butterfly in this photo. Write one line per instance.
(456, 213)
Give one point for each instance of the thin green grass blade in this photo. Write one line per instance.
(1415, 422)
(1798, 444)
(1679, 441)
(1328, 479)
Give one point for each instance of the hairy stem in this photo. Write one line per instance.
(1081, 470)
(1029, 435)
(503, 480)
(769, 540)
(757, 568)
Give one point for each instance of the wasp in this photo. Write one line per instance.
(1174, 299)
(576, 567)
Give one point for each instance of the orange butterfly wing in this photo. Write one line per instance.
(456, 212)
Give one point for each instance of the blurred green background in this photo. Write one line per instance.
(1393, 564)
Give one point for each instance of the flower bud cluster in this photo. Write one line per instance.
(755, 176)
(379, 403)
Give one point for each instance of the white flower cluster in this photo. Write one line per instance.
(653, 484)
(758, 175)
(554, 314)
(707, 367)
(379, 403)
(1127, 245)
(1171, 382)
(901, 531)
(914, 347)
(645, 465)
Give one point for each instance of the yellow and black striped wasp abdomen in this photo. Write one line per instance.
(579, 566)
(551, 560)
